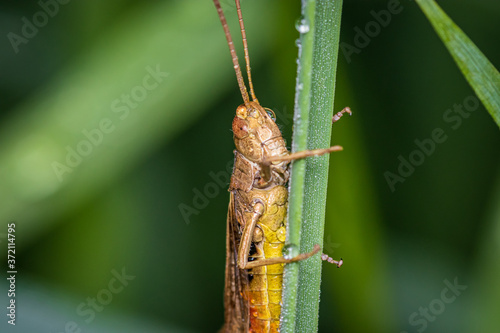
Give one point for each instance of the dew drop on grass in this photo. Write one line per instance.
(289, 251)
(302, 25)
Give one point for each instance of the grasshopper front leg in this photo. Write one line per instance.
(307, 153)
(302, 154)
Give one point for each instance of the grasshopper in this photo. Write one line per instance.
(256, 220)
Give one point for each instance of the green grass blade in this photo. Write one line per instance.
(482, 76)
(296, 186)
(320, 27)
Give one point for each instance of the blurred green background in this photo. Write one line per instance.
(80, 82)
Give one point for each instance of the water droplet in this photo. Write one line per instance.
(302, 25)
(289, 251)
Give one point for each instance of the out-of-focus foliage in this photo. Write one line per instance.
(118, 212)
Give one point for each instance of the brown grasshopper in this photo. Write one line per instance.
(256, 220)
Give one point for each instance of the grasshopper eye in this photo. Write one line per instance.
(271, 114)
(240, 128)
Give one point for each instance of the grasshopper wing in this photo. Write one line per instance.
(236, 308)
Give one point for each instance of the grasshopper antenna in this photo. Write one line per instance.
(234, 56)
(245, 47)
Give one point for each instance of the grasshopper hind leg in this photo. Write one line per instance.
(282, 260)
(325, 257)
(300, 257)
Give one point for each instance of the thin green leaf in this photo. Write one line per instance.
(297, 179)
(482, 76)
(320, 28)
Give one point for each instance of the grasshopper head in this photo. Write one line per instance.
(253, 126)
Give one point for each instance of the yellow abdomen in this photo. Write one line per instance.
(263, 292)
